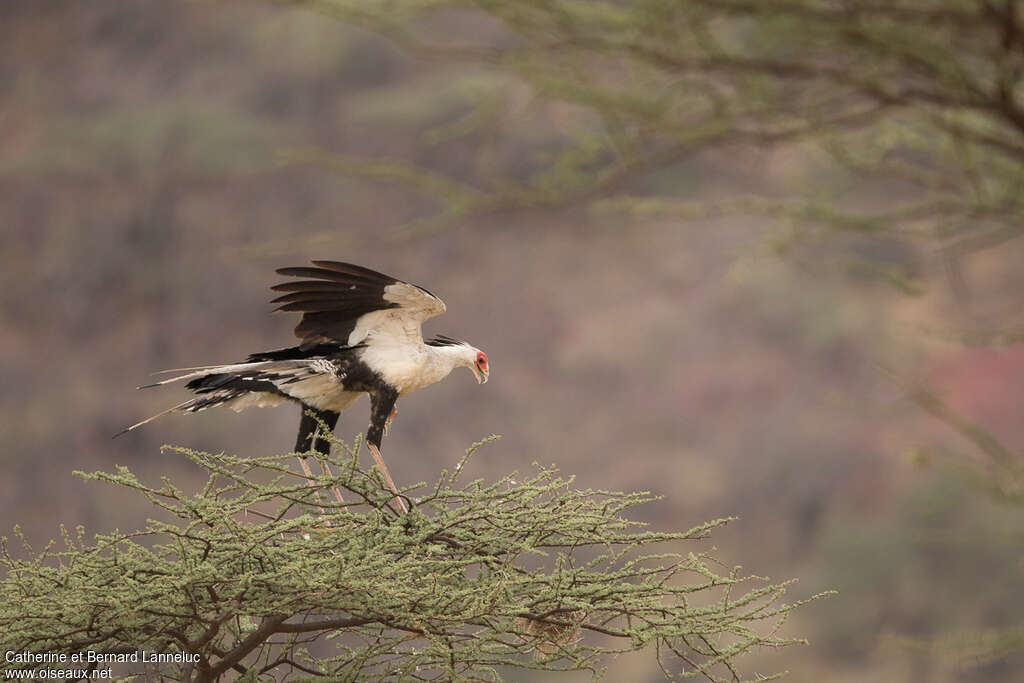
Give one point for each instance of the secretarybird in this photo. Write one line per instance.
(360, 334)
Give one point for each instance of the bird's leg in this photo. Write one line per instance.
(334, 489)
(307, 428)
(322, 445)
(307, 440)
(375, 452)
(305, 470)
(382, 405)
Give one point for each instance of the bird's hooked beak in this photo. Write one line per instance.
(482, 373)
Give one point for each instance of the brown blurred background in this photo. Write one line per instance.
(145, 207)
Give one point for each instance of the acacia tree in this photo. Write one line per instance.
(262, 574)
(919, 100)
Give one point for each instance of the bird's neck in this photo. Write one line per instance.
(408, 369)
(438, 362)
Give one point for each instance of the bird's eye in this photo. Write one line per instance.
(481, 359)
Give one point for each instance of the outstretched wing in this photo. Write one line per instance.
(345, 303)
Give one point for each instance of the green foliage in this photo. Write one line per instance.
(258, 574)
(920, 102)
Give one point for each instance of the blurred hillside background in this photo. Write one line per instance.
(836, 390)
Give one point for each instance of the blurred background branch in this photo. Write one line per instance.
(922, 100)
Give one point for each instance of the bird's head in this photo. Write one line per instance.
(480, 367)
(459, 353)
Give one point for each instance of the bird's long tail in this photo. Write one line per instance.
(239, 385)
(183, 406)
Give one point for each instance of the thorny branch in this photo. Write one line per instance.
(477, 575)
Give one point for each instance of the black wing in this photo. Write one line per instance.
(342, 303)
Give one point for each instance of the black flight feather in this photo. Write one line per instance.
(332, 303)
